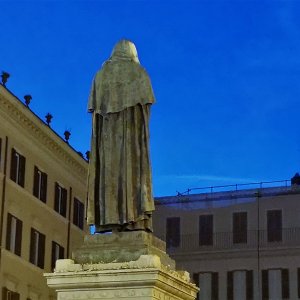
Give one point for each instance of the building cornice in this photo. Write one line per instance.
(23, 116)
(228, 196)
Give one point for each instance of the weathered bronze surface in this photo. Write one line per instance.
(119, 182)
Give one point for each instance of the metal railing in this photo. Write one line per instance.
(252, 239)
(236, 187)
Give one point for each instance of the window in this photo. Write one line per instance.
(40, 184)
(57, 253)
(9, 295)
(60, 201)
(274, 224)
(231, 282)
(208, 282)
(284, 284)
(78, 213)
(239, 227)
(206, 230)
(173, 232)
(17, 167)
(13, 234)
(37, 248)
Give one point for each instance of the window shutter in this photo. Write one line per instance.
(4, 293)
(36, 182)
(196, 278)
(196, 281)
(239, 227)
(173, 232)
(44, 187)
(285, 284)
(41, 251)
(13, 165)
(298, 273)
(19, 237)
(56, 197)
(229, 285)
(8, 231)
(206, 230)
(81, 214)
(21, 179)
(32, 248)
(64, 202)
(249, 285)
(75, 212)
(265, 284)
(53, 256)
(274, 225)
(215, 286)
(61, 252)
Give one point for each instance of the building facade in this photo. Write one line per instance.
(241, 244)
(42, 194)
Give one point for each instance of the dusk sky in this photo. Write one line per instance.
(226, 76)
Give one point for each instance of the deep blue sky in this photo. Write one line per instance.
(225, 75)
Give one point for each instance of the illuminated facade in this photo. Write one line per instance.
(241, 244)
(42, 191)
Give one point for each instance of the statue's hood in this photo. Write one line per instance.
(125, 50)
(121, 83)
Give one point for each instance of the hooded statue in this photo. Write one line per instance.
(119, 180)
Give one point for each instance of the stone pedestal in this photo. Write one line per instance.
(123, 266)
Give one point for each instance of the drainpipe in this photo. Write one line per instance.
(69, 222)
(3, 198)
(258, 196)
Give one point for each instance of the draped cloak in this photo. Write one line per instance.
(119, 178)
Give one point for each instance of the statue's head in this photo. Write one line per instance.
(125, 50)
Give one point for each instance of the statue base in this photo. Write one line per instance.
(124, 265)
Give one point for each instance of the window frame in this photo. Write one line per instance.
(9, 295)
(14, 229)
(40, 182)
(17, 167)
(274, 234)
(37, 248)
(54, 256)
(60, 199)
(239, 234)
(173, 235)
(78, 213)
(206, 233)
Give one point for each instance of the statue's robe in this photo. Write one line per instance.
(119, 180)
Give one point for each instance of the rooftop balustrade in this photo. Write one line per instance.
(229, 241)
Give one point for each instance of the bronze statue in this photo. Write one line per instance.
(119, 181)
